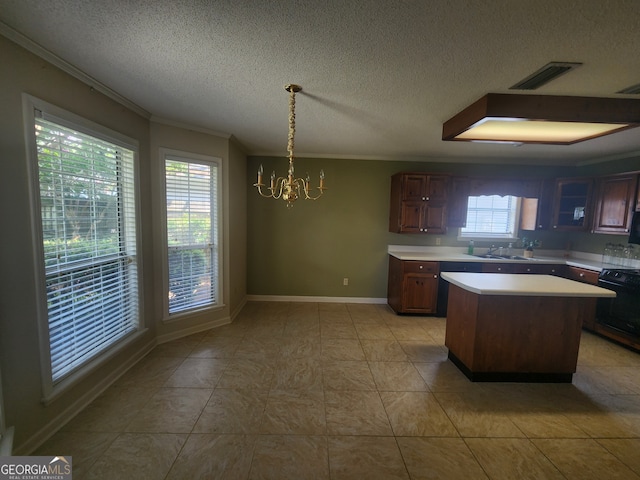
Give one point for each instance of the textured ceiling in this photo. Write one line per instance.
(379, 77)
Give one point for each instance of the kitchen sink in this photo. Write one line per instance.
(503, 257)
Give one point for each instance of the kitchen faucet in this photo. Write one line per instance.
(492, 249)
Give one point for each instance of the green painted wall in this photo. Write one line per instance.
(309, 249)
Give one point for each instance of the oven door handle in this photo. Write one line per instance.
(615, 286)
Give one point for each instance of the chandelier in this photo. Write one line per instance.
(290, 188)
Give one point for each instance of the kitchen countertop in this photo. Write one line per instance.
(523, 285)
(457, 254)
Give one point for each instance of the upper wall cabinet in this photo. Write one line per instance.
(418, 203)
(615, 199)
(458, 201)
(572, 204)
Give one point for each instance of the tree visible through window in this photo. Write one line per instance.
(192, 228)
(87, 212)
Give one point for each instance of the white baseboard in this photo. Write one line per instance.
(80, 403)
(196, 329)
(6, 442)
(311, 299)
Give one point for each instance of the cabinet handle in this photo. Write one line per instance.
(420, 267)
(435, 276)
(582, 275)
(424, 198)
(499, 269)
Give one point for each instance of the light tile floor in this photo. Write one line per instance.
(349, 391)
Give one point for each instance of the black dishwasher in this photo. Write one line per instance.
(443, 285)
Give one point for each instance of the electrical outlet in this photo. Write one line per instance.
(438, 241)
(345, 281)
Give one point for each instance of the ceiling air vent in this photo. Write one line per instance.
(545, 74)
(632, 90)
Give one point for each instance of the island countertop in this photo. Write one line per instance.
(523, 285)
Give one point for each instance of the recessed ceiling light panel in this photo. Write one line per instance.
(557, 120)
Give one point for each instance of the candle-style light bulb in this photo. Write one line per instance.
(321, 178)
(260, 172)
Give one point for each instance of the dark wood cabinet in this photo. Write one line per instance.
(581, 275)
(615, 202)
(539, 268)
(536, 212)
(457, 202)
(572, 204)
(497, 267)
(418, 203)
(413, 286)
(530, 267)
(585, 276)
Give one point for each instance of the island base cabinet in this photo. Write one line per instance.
(515, 338)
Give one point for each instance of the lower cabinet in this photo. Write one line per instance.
(582, 275)
(585, 276)
(529, 267)
(497, 267)
(413, 286)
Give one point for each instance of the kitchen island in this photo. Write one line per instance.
(508, 327)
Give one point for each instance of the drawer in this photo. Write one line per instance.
(491, 267)
(536, 268)
(412, 266)
(582, 275)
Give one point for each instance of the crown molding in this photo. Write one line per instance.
(66, 67)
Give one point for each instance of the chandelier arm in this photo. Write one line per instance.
(309, 197)
(306, 189)
(278, 187)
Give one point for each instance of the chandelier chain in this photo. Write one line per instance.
(292, 122)
(289, 188)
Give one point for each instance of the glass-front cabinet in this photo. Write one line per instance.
(572, 208)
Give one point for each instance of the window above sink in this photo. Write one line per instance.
(491, 217)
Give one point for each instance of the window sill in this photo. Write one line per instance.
(76, 377)
(187, 314)
(479, 238)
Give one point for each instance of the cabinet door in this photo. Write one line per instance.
(411, 217)
(615, 204)
(414, 186)
(437, 186)
(434, 219)
(458, 200)
(420, 293)
(435, 212)
(572, 204)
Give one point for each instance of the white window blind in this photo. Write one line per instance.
(491, 216)
(87, 209)
(192, 232)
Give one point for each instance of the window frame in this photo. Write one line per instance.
(51, 389)
(495, 237)
(215, 162)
